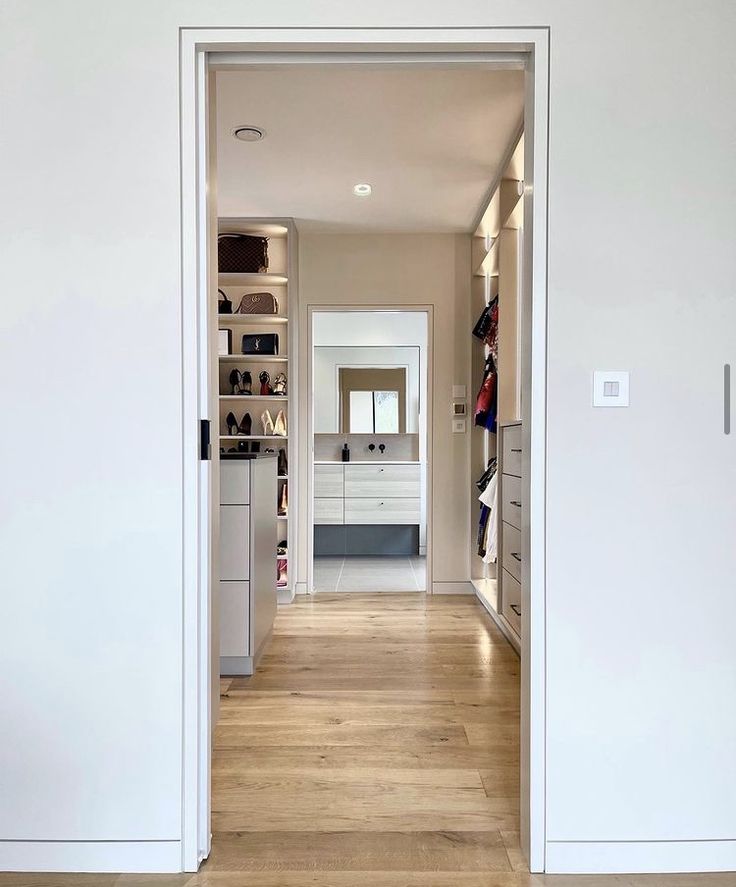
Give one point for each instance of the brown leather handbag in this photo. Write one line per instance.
(258, 303)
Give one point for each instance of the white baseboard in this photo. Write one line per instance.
(301, 588)
(634, 857)
(159, 857)
(452, 588)
(285, 595)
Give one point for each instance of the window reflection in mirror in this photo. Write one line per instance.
(372, 399)
(374, 412)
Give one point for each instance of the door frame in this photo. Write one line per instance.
(504, 46)
(327, 309)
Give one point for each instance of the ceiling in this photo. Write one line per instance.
(430, 141)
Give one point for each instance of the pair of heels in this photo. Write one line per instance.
(278, 388)
(281, 569)
(241, 383)
(243, 427)
(274, 428)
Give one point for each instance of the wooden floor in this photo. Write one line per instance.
(378, 744)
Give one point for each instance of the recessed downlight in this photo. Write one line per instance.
(249, 133)
(362, 189)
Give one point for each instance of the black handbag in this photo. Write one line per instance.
(261, 343)
(224, 305)
(242, 254)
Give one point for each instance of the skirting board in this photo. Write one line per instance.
(300, 588)
(158, 857)
(634, 857)
(236, 665)
(452, 588)
(285, 595)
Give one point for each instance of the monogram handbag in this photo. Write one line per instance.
(242, 254)
(224, 305)
(261, 343)
(258, 303)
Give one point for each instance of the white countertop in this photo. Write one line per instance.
(368, 462)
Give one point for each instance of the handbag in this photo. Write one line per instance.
(260, 343)
(242, 254)
(258, 303)
(224, 305)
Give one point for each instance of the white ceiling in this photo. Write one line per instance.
(430, 142)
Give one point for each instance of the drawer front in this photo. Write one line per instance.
(512, 450)
(328, 511)
(382, 511)
(235, 619)
(327, 481)
(234, 542)
(235, 482)
(511, 500)
(511, 550)
(511, 601)
(386, 481)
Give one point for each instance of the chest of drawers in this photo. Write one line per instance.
(378, 493)
(511, 524)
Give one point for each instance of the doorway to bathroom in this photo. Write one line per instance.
(369, 526)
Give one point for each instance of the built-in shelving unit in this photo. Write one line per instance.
(495, 266)
(280, 280)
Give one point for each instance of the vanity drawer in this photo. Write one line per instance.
(365, 510)
(327, 481)
(512, 450)
(328, 511)
(386, 481)
(511, 499)
(511, 601)
(511, 550)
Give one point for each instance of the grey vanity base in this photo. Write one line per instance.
(363, 540)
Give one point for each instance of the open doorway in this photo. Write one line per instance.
(369, 395)
(426, 246)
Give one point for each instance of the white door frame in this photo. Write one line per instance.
(463, 46)
(326, 309)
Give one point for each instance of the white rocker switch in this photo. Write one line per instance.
(610, 388)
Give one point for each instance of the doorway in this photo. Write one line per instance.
(195, 48)
(369, 390)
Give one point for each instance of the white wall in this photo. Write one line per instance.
(641, 503)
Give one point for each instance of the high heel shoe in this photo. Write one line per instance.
(279, 426)
(232, 423)
(281, 568)
(235, 379)
(279, 385)
(283, 465)
(265, 380)
(283, 506)
(246, 386)
(246, 423)
(267, 423)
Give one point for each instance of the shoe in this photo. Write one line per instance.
(267, 423)
(246, 386)
(235, 380)
(255, 446)
(246, 423)
(243, 446)
(265, 381)
(281, 548)
(279, 426)
(283, 508)
(283, 465)
(279, 385)
(281, 568)
(232, 423)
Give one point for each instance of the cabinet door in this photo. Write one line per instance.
(234, 542)
(235, 482)
(235, 619)
(327, 481)
(387, 481)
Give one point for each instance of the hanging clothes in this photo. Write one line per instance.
(489, 500)
(486, 403)
(486, 328)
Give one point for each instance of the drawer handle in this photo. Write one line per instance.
(516, 609)
(515, 451)
(517, 504)
(515, 554)
(380, 469)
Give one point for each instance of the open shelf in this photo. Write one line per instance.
(254, 358)
(488, 267)
(270, 398)
(251, 318)
(241, 279)
(253, 437)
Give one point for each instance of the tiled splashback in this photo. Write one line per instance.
(399, 447)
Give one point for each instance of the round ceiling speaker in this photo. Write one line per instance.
(249, 133)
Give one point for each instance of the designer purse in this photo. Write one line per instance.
(242, 254)
(258, 303)
(261, 343)
(224, 305)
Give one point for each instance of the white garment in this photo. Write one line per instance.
(489, 497)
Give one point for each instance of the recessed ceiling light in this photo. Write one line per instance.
(249, 133)
(362, 189)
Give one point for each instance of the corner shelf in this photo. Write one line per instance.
(265, 398)
(254, 437)
(251, 318)
(241, 279)
(254, 358)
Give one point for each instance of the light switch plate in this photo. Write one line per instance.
(459, 409)
(610, 388)
(458, 426)
(458, 392)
